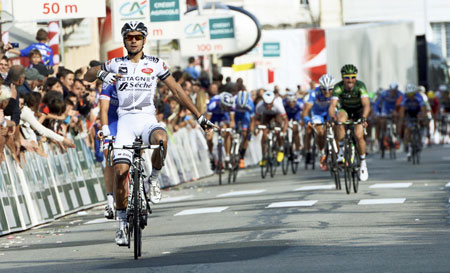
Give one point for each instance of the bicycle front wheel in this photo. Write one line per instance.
(136, 213)
(348, 167)
(285, 162)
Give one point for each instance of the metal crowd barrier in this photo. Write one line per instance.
(47, 188)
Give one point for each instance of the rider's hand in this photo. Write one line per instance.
(107, 77)
(206, 124)
(105, 130)
(364, 122)
(332, 121)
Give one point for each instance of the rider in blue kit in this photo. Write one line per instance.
(108, 118)
(244, 112)
(294, 107)
(318, 103)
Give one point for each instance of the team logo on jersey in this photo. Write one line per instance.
(164, 66)
(123, 86)
(123, 70)
(153, 59)
(147, 70)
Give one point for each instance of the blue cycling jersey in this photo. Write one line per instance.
(388, 101)
(248, 108)
(413, 105)
(319, 101)
(294, 112)
(109, 92)
(218, 114)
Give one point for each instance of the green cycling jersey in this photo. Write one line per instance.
(350, 99)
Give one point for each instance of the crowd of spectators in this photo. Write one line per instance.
(43, 102)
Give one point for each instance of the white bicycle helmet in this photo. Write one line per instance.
(326, 82)
(393, 86)
(291, 96)
(268, 97)
(134, 26)
(242, 99)
(226, 99)
(410, 89)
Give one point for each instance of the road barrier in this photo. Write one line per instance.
(46, 188)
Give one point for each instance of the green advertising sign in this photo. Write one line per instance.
(271, 49)
(164, 10)
(220, 28)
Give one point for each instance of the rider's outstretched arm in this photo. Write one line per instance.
(91, 74)
(181, 95)
(366, 107)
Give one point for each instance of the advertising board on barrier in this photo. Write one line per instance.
(162, 17)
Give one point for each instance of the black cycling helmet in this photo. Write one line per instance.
(349, 69)
(134, 26)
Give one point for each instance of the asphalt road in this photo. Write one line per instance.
(397, 222)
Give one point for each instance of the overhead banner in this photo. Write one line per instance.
(205, 35)
(162, 17)
(51, 10)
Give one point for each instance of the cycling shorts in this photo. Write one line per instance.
(353, 114)
(128, 127)
(243, 119)
(220, 118)
(266, 119)
(294, 116)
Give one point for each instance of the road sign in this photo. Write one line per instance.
(162, 17)
(51, 10)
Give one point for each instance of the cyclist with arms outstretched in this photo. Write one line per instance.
(136, 76)
(354, 102)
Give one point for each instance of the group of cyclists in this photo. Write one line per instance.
(127, 110)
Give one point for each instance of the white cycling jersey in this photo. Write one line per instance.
(136, 88)
(276, 109)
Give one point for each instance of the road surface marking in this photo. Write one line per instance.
(391, 185)
(446, 158)
(308, 203)
(447, 185)
(175, 198)
(240, 193)
(381, 201)
(98, 221)
(319, 187)
(447, 146)
(201, 211)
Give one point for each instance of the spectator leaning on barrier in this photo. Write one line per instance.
(6, 126)
(46, 51)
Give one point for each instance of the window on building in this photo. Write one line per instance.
(441, 37)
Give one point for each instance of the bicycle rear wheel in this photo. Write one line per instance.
(136, 213)
(348, 167)
(294, 165)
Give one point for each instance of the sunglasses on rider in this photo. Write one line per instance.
(327, 90)
(137, 37)
(349, 77)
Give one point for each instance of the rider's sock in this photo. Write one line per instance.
(155, 172)
(110, 198)
(363, 157)
(122, 216)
